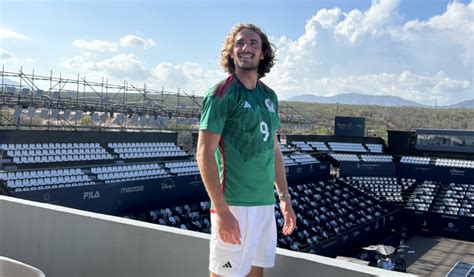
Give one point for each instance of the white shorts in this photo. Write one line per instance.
(258, 242)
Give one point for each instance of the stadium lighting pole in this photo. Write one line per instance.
(177, 109)
(77, 100)
(50, 94)
(162, 99)
(33, 80)
(3, 88)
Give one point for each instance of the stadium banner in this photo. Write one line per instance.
(308, 172)
(435, 173)
(444, 225)
(367, 169)
(122, 197)
(346, 126)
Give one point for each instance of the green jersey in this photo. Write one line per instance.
(247, 121)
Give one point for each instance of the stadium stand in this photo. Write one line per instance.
(377, 158)
(374, 148)
(454, 163)
(345, 157)
(415, 160)
(454, 199)
(182, 168)
(30, 180)
(288, 160)
(423, 196)
(389, 189)
(324, 210)
(302, 146)
(123, 173)
(51, 160)
(54, 152)
(284, 149)
(347, 147)
(303, 159)
(318, 146)
(136, 150)
(193, 217)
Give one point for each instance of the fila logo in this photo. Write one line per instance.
(227, 265)
(247, 105)
(91, 195)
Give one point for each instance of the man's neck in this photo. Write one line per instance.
(247, 78)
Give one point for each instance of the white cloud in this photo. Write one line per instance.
(136, 41)
(376, 52)
(96, 45)
(372, 22)
(454, 28)
(187, 76)
(9, 34)
(124, 66)
(169, 73)
(328, 18)
(5, 55)
(117, 68)
(456, 15)
(423, 89)
(74, 63)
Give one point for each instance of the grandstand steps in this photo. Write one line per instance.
(436, 196)
(407, 193)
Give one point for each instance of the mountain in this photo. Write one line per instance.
(357, 99)
(468, 104)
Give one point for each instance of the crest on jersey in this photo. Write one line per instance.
(269, 105)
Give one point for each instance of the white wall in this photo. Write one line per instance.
(68, 242)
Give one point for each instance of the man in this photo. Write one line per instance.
(240, 160)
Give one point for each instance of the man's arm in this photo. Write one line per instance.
(227, 225)
(281, 186)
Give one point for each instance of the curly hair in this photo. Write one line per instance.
(268, 50)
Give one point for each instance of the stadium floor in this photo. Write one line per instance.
(435, 256)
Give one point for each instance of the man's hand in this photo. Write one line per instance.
(228, 227)
(289, 217)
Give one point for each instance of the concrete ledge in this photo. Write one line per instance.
(12, 268)
(68, 242)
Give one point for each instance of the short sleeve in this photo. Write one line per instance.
(277, 117)
(214, 112)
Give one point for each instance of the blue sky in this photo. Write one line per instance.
(420, 50)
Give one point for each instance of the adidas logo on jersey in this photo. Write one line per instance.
(247, 105)
(227, 265)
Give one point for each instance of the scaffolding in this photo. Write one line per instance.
(30, 101)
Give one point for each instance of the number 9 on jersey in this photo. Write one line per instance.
(264, 130)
